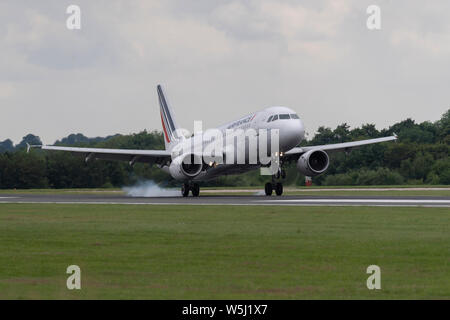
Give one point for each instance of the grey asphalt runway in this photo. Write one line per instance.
(303, 200)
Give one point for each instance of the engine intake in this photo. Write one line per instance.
(186, 166)
(313, 163)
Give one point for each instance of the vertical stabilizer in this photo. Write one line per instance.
(168, 120)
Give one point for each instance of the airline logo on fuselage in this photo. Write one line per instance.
(241, 121)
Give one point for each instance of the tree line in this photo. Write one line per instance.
(419, 157)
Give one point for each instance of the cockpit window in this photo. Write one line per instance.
(284, 116)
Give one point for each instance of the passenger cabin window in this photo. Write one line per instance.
(275, 117)
(284, 116)
(270, 119)
(294, 116)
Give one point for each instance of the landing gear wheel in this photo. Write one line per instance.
(279, 189)
(268, 189)
(185, 189)
(195, 190)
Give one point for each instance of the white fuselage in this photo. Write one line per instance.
(285, 120)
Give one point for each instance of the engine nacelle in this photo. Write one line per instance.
(313, 163)
(186, 166)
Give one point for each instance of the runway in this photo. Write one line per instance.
(303, 200)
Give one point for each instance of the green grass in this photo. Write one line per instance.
(231, 252)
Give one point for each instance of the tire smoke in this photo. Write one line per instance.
(149, 189)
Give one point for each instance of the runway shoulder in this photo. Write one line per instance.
(297, 200)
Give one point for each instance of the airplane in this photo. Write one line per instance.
(310, 160)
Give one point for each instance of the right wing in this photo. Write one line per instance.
(346, 146)
(132, 156)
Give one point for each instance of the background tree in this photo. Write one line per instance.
(419, 157)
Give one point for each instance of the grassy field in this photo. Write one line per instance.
(213, 252)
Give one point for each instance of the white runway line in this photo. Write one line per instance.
(325, 190)
(414, 201)
(237, 204)
(369, 189)
(8, 197)
(302, 203)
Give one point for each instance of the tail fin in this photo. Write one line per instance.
(171, 136)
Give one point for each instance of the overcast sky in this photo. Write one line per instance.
(218, 60)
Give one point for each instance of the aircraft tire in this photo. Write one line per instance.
(185, 189)
(279, 189)
(195, 190)
(268, 189)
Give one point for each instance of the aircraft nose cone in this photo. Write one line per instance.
(291, 134)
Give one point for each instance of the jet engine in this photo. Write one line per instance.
(313, 163)
(186, 166)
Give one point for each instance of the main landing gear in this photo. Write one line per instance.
(194, 188)
(270, 187)
(275, 186)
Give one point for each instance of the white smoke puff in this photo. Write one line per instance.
(259, 193)
(150, 189)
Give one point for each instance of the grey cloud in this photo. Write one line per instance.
(218, 60)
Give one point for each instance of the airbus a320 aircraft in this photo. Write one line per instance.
(311, 160)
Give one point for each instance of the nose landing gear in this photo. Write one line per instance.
(279, 189)
(270, 187)
(277, 186)
(194, 188)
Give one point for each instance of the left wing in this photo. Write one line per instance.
(346, 146)
(132, 156)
